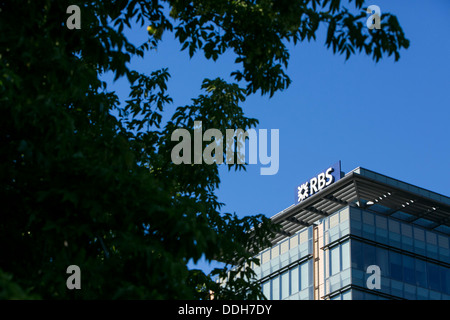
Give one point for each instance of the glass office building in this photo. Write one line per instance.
(362, 236)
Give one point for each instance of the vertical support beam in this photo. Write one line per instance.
(316, 249)
(321, 262)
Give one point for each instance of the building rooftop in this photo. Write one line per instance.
(366, 189)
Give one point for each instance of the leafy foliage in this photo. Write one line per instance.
(89, 181)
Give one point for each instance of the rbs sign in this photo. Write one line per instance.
(317, 183)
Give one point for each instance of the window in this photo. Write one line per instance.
(293, 241)
(339, 258)
(419, 241)
(368, 218)
(381, 229)
(431, 240)
(368, 225)
(445, 280)
(304, 243)
(294, 279)
(395, 260)
(434, 282)
(290, 282)
(334, 220)
(285, 285)
(421, 273)
(444, 249)
(408, 270)
(357, 257)
(284, 247)
(275, 251)
(345, 255)
(265, 257)
(382, 260)
(344, 215)
(304, 275)
(276, 288)
(304, 237)
(266, 289)
(335, 263)
(369, 255)
(394, 232)
(406, 230)
(407, 240)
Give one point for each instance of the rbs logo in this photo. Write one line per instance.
(317, 183)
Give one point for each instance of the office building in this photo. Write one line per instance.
(360, 235)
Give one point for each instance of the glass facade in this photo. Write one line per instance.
(293, 283)
(368, 236)
(285, 270)
(413, 261)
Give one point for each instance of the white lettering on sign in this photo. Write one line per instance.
(315, 184)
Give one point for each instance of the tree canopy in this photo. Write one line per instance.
(87, 180)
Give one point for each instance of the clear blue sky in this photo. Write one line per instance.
(390, 117)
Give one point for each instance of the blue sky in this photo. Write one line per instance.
(389, 117)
